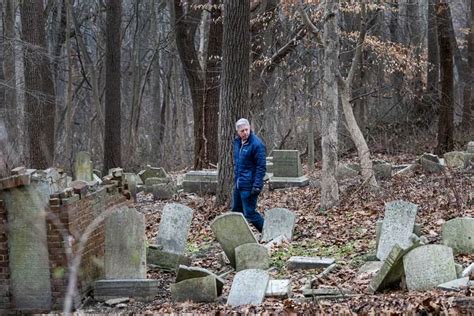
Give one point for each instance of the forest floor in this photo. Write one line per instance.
(346, 233)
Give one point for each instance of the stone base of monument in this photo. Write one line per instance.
(165, 260)
(200, 181)
(287, 182)
(139, 289)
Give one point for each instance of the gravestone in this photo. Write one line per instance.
(428, 266)
(185, 272)
(248, 287)
(470, 147)
(125, 244)
(397, 226)
(303, 263)
(174, 228)
(251, 256)
(162, 188)
(457, 159)
(140, 289)
(458, 233)
(278, 288)
(378, 227)
(152, 172)
(287, 170)
(232, 230)
(278, 222)
(455, 285)
(131, 180)
(431, 163)
(167, 261)
(83, 166)
(200, 289)
(200, 181)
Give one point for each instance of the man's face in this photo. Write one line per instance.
(244, 132)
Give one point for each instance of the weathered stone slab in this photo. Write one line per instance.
(369, 269)
(457, 159)
(201, 289)
(287, 163)
(131, 180)
(469, 270)
(458, 233)
(278, 222)
(30, 286)
(287, 182)
(232, 230)
(470, 147)
(248, 287)
(185, 273)
(428, 266)
(302, 263)
(125, 253)
(382, 169)
(397, 227)
(200, 181)
(83, 166)
(151, 172)
(163, 191)
(168, 261)
(278, 288)
(378, 227)
(251, 256)
(325, 292)
(140, 289)
(174, 228)
(431, 163)
(455, 285)
(392, 270)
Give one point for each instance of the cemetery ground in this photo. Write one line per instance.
(345, 233)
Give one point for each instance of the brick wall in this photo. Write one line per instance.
(4, 269)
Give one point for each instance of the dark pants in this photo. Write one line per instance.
(244, 202)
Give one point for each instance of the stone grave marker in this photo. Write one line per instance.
(378, 227)
(470, 147)
(125, 244)
(174, 228)
(397, 227)
(200, 181)
(83, 166)
(140, 289)
(152, 172)
(251, 256)
(431, 163)
(185, 273)
(428, 266)
(248, 287)
(455, 285)
(458, 233)
(278, 222)
(278, 288)
(457, 159)
(303, 263)
(287, 170)
(232, 230)
(201, 289)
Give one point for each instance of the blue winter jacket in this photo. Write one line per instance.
(249, 163)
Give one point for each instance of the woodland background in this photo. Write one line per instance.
(162, 82)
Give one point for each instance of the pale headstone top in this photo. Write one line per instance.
(83, 166)
(200, 289)
(428, 266)
(185, 272)
(278, 221)
(152, 172)
(248, 287)
(287, 163)
(232, 230)
(470, 147)
(458, 233)
(174, 228)
(397, 227)
(251, 256)
(125, 244)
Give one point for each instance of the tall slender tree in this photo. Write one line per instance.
(234, 87)
(112, 137)
(40, 102)
(468, 109)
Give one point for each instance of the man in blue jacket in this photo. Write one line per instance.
(249, 170)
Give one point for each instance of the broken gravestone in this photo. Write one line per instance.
(151, 172)
(162, 188)
(397, 227)
(431, 163)
(457, 159)
(125, 254)
(248, 287)
(458, 233)
(278, 222)
(196, 284)
(278, 288)
(175, 223)
(185, 273)
(83, 166)
(200, 181)
(303, 263)
(251, 256)
(232, 230)
(140, 289)
(428, 266)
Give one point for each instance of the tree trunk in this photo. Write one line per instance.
(432, 94)
(40, 103)
(445, 123)
(309, 107)
(329, 109)
(9, 71)
(69, 105)
(468, 108)
(234, 87)
(112, 137)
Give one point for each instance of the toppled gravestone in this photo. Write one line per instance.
(458, 233)
(278, 288)
(232, 230)
(303, 263)
(152, 172)
(248, 287)
(431, 163)
(428, 266)
(278, 222)
(200, 181)
(470, 147)
(140, 289)
(185, 273)
(455, 285)
(251, 256)
(162, 188)
(168, 253)
(457, 159)
(397, 227)
(196, 284)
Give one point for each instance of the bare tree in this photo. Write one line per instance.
(112, 137)
(468, 109)
(234, 87)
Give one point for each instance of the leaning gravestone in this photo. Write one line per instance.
(83, 166)
(251, 256)
(201, 289)
(278, 222)
(231, 230)
(174, 228)
(125, 254)
(458, 234)
(397, 227)
(248, 287)
(428, 266)
(185, 273)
